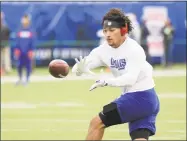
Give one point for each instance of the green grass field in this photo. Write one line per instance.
(61, 110)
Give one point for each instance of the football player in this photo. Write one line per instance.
(138, 104)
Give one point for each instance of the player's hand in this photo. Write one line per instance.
(30, 55)
(82, 66)
(17, 53)
(98, 83)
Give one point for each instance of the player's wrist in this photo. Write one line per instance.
(106, 84)
(78, 73)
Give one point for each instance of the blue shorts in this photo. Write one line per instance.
(139, 109)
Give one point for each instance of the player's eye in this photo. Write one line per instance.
(104, 31)
(112, 30)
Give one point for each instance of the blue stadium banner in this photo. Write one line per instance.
(64, 33)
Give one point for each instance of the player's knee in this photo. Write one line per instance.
(140, 134)
(96, 123)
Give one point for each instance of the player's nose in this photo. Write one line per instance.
(108, 35)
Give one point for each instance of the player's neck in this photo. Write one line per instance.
(121, 42)
(26, 26)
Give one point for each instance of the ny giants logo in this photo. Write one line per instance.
(118, 64)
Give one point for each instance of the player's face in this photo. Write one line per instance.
(25, 21)
(113, 36)
(2, 17)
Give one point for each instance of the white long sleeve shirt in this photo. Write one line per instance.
(127, 63)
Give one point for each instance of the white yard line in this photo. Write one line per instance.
(173, 137)
(81, 111)
(176, 121)
(44, 130)
(155, 138)
(172, 96)
(177, 131)
(24, 105)
(47, 78)
(77, 129)
(61, 120)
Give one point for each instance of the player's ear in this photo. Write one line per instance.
(124, 30)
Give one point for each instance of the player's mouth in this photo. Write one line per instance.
(109, 40)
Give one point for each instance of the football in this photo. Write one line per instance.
(58, 68)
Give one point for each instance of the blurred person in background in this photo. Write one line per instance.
(24, 49)
(143, 39)
(101, 36)
(6, 65)
(136, 32)
(168, 31)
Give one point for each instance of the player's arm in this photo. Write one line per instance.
(32, 46)
(89, 62)
(16, 47)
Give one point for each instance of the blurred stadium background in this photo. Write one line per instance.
(50, 108)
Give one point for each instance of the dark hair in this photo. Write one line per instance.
(26, 16)
(118, 15)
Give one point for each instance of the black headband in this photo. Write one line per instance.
(112, 24)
